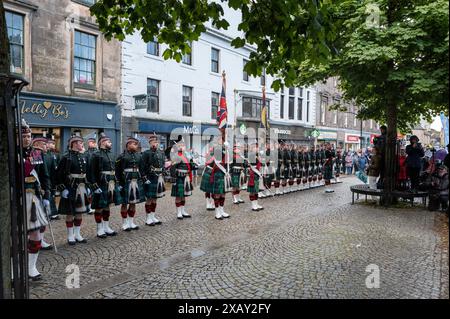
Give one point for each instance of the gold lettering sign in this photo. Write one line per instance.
(46, 110)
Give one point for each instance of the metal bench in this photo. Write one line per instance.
(365, 190)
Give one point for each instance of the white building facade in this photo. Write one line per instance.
(159, 95)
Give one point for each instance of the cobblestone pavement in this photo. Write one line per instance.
(302, 245)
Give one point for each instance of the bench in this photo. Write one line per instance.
(365, 190)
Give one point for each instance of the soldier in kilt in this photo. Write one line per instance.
(106, 192)
(338, 166)
(321, 163)
(52, 159)
(279, 173)
(293, 170)
(153, 175)
(39, 144)
(300, 167)
(269, 169)
(181, 178)
(217, 180)
(287, 169)
(204, 183)
(74, 188)
(255, 175)
(328, 167)
(37, 194)
(128, 173)
(92, 148)
(237, 174)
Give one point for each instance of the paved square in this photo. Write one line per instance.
(302, 245)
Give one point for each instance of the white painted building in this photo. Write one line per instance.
(159, 95)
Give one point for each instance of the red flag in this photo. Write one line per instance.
(222, 112)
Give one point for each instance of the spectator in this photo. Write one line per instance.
(380, 143)
(362, 161)
(402, 176)
(349, 163)
(355, 161)
(374, 168)
(439, 189)
(414, 161)
(447, 157)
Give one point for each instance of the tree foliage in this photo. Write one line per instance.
(384, 51)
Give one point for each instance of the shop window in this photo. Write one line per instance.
(14, 24)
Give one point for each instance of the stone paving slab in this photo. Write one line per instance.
(302, 245)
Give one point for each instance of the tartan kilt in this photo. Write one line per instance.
(218, 185)
(235, 180)
(77, 202)
(127, 197)
(151, 190)
(178, 189)
(328, 172)
(106, 198)
(205, 185)
(255, 188)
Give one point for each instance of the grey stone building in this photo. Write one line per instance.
(74, 73)
(341, 128)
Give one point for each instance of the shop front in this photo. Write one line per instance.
(299, 135)
(327, 136)
(195, 135)
(60, 116)
(352, 142)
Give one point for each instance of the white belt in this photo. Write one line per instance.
(131, 170)
(108, 172)
(78, 175)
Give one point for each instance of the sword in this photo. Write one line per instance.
(47, 210)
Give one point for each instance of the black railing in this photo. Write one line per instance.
(18, 249)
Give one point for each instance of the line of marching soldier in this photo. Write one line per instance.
(97, 180)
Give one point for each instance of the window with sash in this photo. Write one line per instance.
(187, 101)
(14, 25)
(215, 98)
(84, 58)
(215, 53)
(152, 95)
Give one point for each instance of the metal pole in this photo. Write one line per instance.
(361, 137)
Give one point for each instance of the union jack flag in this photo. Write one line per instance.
(222, 112)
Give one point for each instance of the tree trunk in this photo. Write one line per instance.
(390, 153)
(5, 218)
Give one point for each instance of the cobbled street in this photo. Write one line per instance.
(302, 245)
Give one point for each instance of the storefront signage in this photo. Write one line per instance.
(243, 129)
(191, 130)
(284, 132)
(140, 101)
(45, 110)
(351, 138)
(327, 135)
(315, 133)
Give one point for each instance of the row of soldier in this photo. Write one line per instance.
(96, 179)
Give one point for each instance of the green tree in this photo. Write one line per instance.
(391, 56)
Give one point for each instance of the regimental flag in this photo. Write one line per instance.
(222, 112)
(264, 111)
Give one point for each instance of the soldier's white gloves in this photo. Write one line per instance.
(46, 203)
(88, 191)
(65, 193)
(147, 182)
(119, 188)
(226, 144)
(98, 191)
